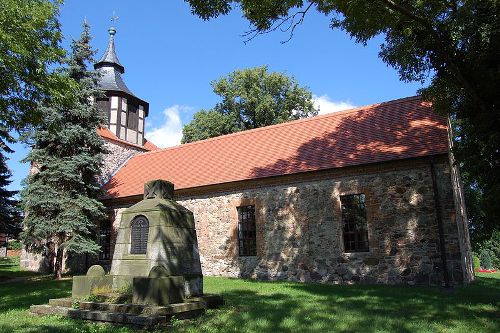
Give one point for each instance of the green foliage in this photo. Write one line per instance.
(453, 45)
(75, 303)
(485, 259)
(478, 219)
(14, 245)
(207, 124)
(476, 262)
(494, 245)
(251, 98)
(29, 47)
(491, 247)
(60, 199)
(10, 214)
(92, 298)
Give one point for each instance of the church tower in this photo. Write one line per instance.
(125, 112)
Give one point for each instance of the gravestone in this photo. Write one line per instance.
(156, 252)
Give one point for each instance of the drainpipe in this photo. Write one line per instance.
(437, 207)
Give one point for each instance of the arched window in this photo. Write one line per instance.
(139, 235)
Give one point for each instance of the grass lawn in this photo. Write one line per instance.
(9, 268)
(285, 307)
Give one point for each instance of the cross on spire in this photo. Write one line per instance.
(114, 17)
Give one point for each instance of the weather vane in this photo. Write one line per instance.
(114, 17)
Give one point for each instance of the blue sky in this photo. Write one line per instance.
(171, 56)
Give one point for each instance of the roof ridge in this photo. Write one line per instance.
(287, 123)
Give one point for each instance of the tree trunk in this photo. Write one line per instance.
(59, 262)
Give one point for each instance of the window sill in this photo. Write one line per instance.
(356, 254)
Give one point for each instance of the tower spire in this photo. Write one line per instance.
(109, 58)
(110, 68)
(125, 112)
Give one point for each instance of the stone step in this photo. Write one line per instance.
(67, 302)
(46, 309)
(166, 310)
(142, 321)
(195, 303)
(212, 301)
(144, 316)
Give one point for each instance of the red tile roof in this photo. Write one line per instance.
(107, 134)
(399, 129)
(149, 145)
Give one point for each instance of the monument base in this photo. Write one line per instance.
(158, 291)
(144, 316)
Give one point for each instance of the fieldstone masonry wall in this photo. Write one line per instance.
(299, 235)
(118, 153)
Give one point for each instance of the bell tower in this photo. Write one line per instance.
(125, 113)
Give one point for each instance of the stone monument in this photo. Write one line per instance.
(155, 272)
(156, 252)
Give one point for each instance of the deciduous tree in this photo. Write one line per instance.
(251, 98)
(451, 44)
(29, 47)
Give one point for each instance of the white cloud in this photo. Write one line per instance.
(170, 132)
(326, 105)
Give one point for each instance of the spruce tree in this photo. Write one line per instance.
(10, 216)
(61, 198)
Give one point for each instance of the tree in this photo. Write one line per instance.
(10, 215)
(60, 199)
(207, 124)
(485, 258)
(251, 98)
(454, 44)
(29, 45)
(492, 248)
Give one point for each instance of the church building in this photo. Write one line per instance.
(368, 195)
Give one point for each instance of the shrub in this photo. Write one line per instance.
(14, 245)
(485, 259)
(492, 246)
(477, 262)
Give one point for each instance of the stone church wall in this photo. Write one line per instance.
(118, 153)
(299, 232)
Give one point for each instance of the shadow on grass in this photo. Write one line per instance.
(20, 295)
(326, 308)
(291, 307)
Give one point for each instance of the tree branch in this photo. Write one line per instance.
(408, 13)
(252, 33)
